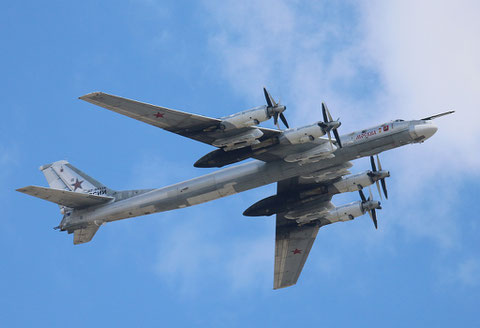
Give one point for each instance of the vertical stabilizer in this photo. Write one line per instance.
(62, 175)
(78, 195)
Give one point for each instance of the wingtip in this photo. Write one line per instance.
(23, 189)
(282, 287)
(90, 95)
(278, 285)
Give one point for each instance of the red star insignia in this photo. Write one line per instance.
(159, 115)
(297, 251)
(77, 184)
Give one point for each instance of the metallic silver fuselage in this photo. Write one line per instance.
(246, 176)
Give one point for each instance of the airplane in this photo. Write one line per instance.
(308, 166)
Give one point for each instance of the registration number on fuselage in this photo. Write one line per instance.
(372, 132)
(97, 191)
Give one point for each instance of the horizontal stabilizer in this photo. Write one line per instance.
(66, 198)
(84, 235)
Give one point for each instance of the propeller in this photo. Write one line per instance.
(329, 124)
(369, 205)
(275, 109)
(379, 175)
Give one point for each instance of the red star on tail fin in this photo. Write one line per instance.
(77, 184)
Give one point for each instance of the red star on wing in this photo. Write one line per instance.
(297, 251)
(77, 184)
(159, 115)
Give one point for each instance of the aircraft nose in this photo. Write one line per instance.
(423, 131)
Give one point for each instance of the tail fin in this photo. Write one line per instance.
(74, 190)
(63, 175)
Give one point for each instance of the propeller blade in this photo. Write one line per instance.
(330, 119)
(370, 193)
(372, 162)
(284, 120)
(324, 112)
(384, 187)
(268, 98)
(275, 118)
(362, 196)
(330, 139)
(337, 137)
(379, 164)
(374, 218)
(378, 187)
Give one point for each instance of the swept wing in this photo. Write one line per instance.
(292, 246)
(197, 127)
(293, 242)
(205, 129)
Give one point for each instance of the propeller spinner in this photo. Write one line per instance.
(379, 175)
(329, 124)
(369, 205)
(275, 109)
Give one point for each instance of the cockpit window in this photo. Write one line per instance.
(399, 120)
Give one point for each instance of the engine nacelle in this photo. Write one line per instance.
(351, 182)
(301, 135)
(312, 212)
(308, 212)
(241, 140)
(320, 152)
(328, 173)
(345, 212)
(246, 118)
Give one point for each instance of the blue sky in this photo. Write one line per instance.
(208, 265)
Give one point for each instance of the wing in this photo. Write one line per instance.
(292, 246)
(292, 242)
(197, 127)
(63, 197)
(84, 235)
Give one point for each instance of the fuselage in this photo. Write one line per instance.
(253, 174)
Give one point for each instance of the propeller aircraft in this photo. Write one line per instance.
(308, 167)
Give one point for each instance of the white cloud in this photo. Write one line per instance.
(371, 62)
(427, 56)
(466, 272)
(250, 262)
(427, 53)
(186, 256)
(196, 250)
(412, 59)
(152, 170)
(300, 55)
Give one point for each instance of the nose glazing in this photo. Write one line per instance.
(423, 131)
